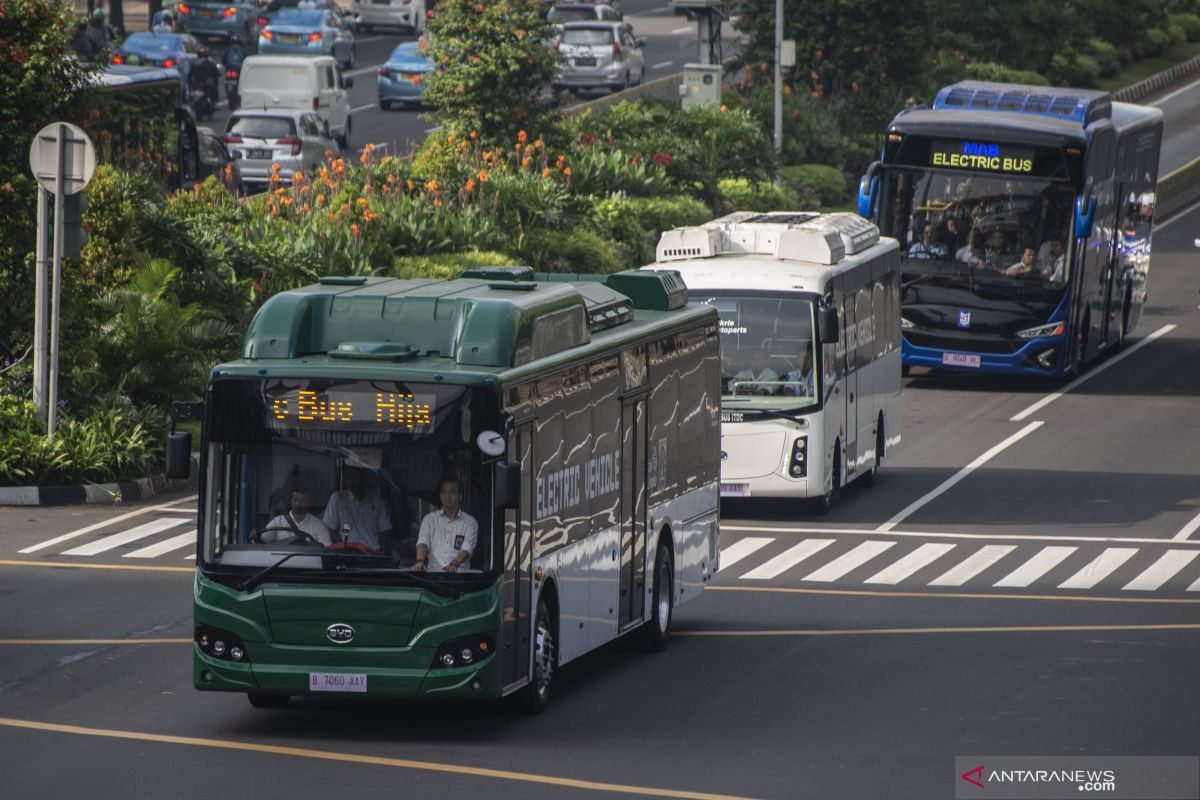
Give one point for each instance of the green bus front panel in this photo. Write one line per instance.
(398, 630)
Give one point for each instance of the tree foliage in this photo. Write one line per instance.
(494, 65)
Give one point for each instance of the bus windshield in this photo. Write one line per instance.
(1004, 236)
(319, 476)
(767, 351)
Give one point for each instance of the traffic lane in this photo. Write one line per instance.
(1181, 118)
(841, 715)
(27, 526)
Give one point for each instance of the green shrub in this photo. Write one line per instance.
(448, 265)
(637, 222)
(579, 250)
(1176, 34)
(826, 183)
(1155, 41)
(1107, 57)
(739, 194)
(1189, 24)
(1070, 68)
(990, 71)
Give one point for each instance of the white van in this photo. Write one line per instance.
(407, 14)
(298, 82)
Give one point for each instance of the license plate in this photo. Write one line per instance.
(732, 416)
(735, 490)
(336, 682)
(258, 154)
(960, 360)
(289, 37)
(203, 12)
(585, 62)
(410, 76)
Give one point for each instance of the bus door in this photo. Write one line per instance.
(850, 437)
(633, 511)
(517, 595)
(1095, 278)
(1110, 249)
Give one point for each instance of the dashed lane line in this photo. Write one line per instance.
(356, 758)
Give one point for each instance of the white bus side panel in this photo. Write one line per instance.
(693, 521)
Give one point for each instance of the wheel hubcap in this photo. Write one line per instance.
(544, 658)
(664, 598)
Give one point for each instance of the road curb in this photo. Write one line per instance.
(94, 493)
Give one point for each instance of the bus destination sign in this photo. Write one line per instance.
(985, 156)
(354, 409)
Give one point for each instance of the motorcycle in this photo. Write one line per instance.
(201, 103)
(231, 87)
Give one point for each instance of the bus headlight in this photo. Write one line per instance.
(1042, 331)
(463, 651)
(798, 463)
(220, 644)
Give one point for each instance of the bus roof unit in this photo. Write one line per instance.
(812, 237)
(499, 318)
(1083, 106)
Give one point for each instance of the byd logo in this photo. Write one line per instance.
(977, 772)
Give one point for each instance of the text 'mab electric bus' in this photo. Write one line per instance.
(579, 420)
(810, 346)
(1023, 214)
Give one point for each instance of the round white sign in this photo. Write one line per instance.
(62, 140)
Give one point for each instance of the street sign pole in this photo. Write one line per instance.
(778, 76)
(40, 317)
(56, 291)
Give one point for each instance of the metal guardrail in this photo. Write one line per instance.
(1178, 190)
(1157, 81)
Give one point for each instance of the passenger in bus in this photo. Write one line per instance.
(295, 523)
(802, 379)
(758, 372)
(1053, 267)
(1027, 265)
(998, 257)
(448, 535)
(953, 234)
(356, 515)
(928, 246)
(972, 253)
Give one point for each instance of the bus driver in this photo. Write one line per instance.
(447, 536)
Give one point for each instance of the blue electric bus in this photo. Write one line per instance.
(1024, 216)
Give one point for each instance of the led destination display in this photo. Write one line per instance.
(356, 408)
(985, 156)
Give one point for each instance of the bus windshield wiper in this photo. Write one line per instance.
(433, 586)
(256, 578)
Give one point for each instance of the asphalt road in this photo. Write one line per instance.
(670, 43)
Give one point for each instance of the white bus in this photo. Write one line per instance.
(809, 310)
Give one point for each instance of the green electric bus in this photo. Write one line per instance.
(580, 418)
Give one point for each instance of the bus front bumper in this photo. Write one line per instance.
(1043, 356)
(397, 673)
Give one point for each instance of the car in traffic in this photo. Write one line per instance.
(273, 7)
(216, 160)
(408, 15)
(562, 13)
(294, 140)
(599, 55)
(402, 78)
(168, 50)
(298, 83)
(304, 32)
(221, 19)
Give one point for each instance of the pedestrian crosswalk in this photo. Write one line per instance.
(883, 562)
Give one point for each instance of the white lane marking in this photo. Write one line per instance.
(352, 111)
(1187, 530)
(1042, 562)
(1100, 568)
(958, 476)
(974, 565)
(663, 64)
(684, 29)
(1050, 398)
(125, 537)
(1161, 571)
(363, 71)
(740, 549)
(1176, 93)
(1001, 537)
(1195, 587)
(74, 534)
(158, 548)
(787, 559)
(1178, 216)
(363, 40)
(849, 561)
(923, 556)
(994, 537)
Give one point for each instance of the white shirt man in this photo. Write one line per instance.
(758, 372)
(354, 515)
(284, 527)
(803, 378)
(447, 536)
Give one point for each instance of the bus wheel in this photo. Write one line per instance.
(657, 631)
(260, 700)
(868, 477)
(544, 661)
(823, 503)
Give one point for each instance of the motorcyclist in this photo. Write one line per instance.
(234, 55)
(98, 35)
(165, 22)
(206, 75)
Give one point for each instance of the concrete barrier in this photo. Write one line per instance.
(1177, 191)
(1158, 81)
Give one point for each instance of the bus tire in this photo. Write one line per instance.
(262, 700)
(545, 661)
(868, 477)
(657, 630)
(822, 504)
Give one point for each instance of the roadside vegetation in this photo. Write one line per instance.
(166, 283)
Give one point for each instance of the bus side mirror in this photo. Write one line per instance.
(179, 455)
(508, 485)
(828, 325)
(867, 188)
(1085, 211)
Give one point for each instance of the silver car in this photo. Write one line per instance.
(599, 55)
(258, 140)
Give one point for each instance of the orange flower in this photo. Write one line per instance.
(520, 33)
(528, 149)
(479, 7)
(354, 228)
(432, 186)
(343, 208)
(279, 190)
(287, 201)
(320, 199)
(450, 139)
(437, 203)
(362, 202)
(567, 172)
(462, 87)
(487, 155)
(482, 175)
(298, 177)
(522, 136)
(545, 172)
(410, 185)
(474, 134)
(525, 161)
(275, 168)
(539, 143)
(724, 107)
(305, 209)
(559, 163)
(470, 187)
(369, 215)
